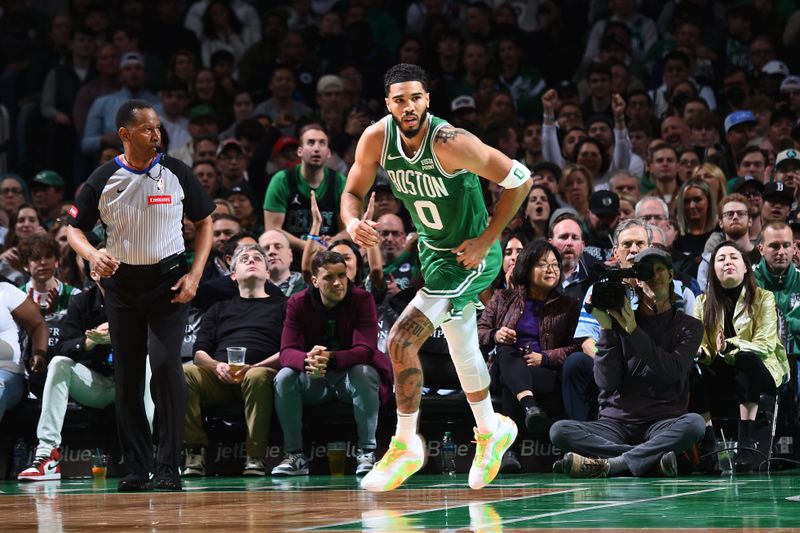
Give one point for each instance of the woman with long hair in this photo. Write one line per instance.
(530, 329)
(696, 213)
(575, 187)
(714, 178)
(24, 223)
(741, 349)
(537, 210)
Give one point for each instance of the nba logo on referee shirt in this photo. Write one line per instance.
(162, 199)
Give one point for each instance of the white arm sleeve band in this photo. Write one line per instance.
(517, 176)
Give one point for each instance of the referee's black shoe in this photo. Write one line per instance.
(167, 478)
(135, 483)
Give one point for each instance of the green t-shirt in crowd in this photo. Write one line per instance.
(277, 198)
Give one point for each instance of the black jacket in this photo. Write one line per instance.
(644, 377)
(86, 311)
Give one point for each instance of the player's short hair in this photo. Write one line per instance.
(403, 72)
(126, 112)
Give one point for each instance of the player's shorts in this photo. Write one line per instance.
(445, 278)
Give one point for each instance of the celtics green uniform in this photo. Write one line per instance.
(447, 209)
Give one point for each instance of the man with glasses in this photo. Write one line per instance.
(399, 267)
(642, 365)
(735, 223)
(751, 188)
(578, 386)
(653, 210)
(253, 320)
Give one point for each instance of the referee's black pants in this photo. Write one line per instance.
(142, 322)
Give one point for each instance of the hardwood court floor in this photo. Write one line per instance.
(426, 503)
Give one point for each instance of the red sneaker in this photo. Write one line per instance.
(45, 468)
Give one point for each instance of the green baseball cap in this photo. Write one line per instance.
(48, 178)
(202, 110)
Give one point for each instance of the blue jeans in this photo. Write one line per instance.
(357, 385)
(12, 386)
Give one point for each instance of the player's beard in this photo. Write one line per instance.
(411, 133)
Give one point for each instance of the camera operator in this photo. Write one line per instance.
(579, 390)
(642, 368)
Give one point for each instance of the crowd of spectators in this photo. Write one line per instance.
(673, 125)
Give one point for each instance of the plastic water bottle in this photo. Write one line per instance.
(448, 455)
(19, 456)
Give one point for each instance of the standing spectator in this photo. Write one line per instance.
(281, 107)
(106, 65)
(100, 123)
(174, 104)
(252, 320)
(223, 30)
(287, 204)
(329, 350)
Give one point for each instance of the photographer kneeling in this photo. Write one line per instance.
(642, 369)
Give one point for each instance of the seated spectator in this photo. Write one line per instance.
(241, 197)
(223, 30)
(537, 210)
(566, 234)
(575, 187)
(233, 163)
(22, 225)
(512, 245)
(252, 320)
(19, 310)
(225, 227)
(208, 174)
(329, 351)
(735, 223)
(741, 348)
(47, 193)
(13, 193)
(599, 225)
(642, 369)
(287, 204)
(203, 128)
(279, 261)
(714, 178)
(529, 328)
(83, 370)
(39, 255)
(696, 213)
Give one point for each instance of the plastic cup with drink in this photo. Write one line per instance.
(236, 362)
(337, 453)
(99, 465)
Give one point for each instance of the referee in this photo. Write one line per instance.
(140, 198)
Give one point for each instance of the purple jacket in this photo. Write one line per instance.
(350, 330)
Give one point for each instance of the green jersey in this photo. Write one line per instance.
(447, 209)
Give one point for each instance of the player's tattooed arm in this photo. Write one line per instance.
(449, 133)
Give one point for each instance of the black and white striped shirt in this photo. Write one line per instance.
(142, 210)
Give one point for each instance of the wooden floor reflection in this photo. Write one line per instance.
(544, 503)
